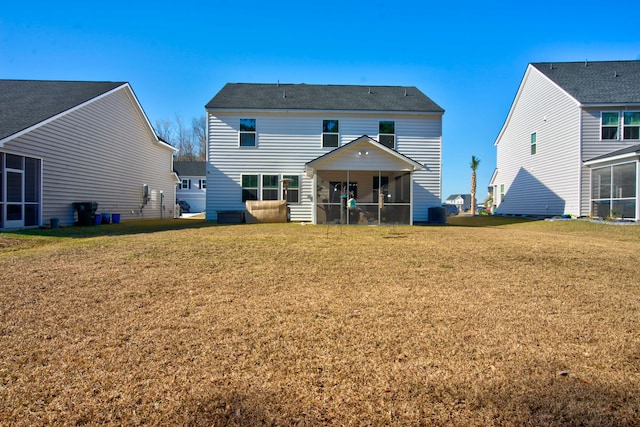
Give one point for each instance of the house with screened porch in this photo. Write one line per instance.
(336, 154)
(571, 142)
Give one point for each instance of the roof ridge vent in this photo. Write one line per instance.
(284, 93)
(586, 63)
(405, 92)
(551, 66)
(615, 74)
(369, 90)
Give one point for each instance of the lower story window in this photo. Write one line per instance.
(292, 193)
(20, 191)
(249, 187)
(270, 187)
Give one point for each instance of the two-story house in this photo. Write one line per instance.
(570, 143)
(325, 148)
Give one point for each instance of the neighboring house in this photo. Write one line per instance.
(193, 184)
(462, 201)
(570, 143)
(63, 142)
(380, 145)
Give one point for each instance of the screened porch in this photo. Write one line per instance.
(363, 197)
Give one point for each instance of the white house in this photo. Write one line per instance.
(63, 142)
(328, 144)
(462, 201)
(570, 143)
(193, 184)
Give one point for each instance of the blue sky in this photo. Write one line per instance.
(468, 56)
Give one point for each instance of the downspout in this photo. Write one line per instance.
(580, 166)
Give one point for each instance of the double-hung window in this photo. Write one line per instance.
(631, 125)
(270, 186)
(203, 184)
(534, 139)
(247, 132)
(387, 133)
(249, 187)
(609, 125)
(186, 184)
(330, 133)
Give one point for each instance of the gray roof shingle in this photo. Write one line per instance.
(600, 82)
(190, 168)
(248, 96)
(24, 103)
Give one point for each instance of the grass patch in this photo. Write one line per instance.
(185, 323)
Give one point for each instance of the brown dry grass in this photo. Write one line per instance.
(513, 324)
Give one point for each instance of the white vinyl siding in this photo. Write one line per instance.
(103, 152)
(289, 140)
(547, 183)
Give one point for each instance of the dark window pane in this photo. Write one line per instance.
(294, 180)
(270, 181)
(31, 180)
(330, 126)
(14, 162)
(249, 194)
(14, 187)
(388, 140)
(387, 127)
(631, 132)
(270, 194)
(247, 125)
(329, 140)
(293, 196)
(247, 139)
(14, 212)
(30, 215)
(250, 181)
(609, 133)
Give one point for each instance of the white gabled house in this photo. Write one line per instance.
(63, 142)
(328, 144)
(570, 143)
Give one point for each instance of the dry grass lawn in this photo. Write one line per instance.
(486, 323)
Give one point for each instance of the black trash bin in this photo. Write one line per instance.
(436, 215)
(86, 212)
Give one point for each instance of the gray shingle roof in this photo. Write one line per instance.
(247, 96)
(190, 168)
(601, 82)
(24, 103)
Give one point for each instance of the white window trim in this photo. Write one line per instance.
(255, 133)
(624, 126)
(330, 133)
(618, 136)
(395, 138)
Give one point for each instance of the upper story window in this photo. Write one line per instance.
(609, 125)
(330, 133)
(186, 184)
(247, 132)
(249, 187)
(270, 186)
(203, 184)
(387, 133)
(631, 125)
(534, 139)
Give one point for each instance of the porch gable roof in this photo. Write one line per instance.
(366, 154)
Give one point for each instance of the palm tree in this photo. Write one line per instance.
(474, 165)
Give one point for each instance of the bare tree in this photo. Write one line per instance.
(199, 132)
(165, 130)
(190, 142)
